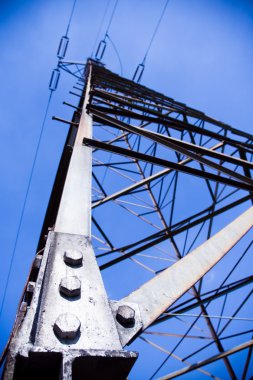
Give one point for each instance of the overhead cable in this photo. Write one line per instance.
(24, 204)
(52, 87)
(70, 17)
(100, 27)
(117, 54)
(140, 68)
(102, 44)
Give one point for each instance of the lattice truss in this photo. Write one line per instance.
(166, 177)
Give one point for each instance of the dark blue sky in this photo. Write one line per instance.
(202, 56)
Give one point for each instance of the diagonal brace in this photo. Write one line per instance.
(156, 295)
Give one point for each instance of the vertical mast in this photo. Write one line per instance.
(69, 330)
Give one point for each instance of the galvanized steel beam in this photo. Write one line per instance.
(74, 214)
(158, 294)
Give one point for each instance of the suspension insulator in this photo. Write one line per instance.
(63, 47)
(54, 80)
(100, 50)
(138, 72)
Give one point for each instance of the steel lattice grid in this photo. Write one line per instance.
(190, 208)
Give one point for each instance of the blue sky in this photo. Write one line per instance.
(202, 56)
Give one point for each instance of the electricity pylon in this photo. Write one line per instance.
(155, 162)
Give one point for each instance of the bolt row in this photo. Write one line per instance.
(67, 325)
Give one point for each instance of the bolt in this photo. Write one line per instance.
(37, 261)
(125, 316)
(30, 287)
(70, 286)
(23, 306)
(73, 257)
(67, 326)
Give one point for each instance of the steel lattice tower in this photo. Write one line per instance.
(118, 211)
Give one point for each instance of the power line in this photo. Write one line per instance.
(140, 68)
(117, 54)
(25, 202)
(100, 27)
(112, 15)
(155, 31)
(70, 17)
(102, 44)
(52, 87)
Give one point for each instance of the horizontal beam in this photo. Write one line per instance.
(193, 147)
(169, 143)
(165, 163)
(168, 104)
(142, 182)
(160, 118)
(106, 79)
(65, 121)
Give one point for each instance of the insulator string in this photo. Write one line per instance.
(140, 68)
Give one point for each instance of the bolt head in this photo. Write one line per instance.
(125, 316)
(70, 286)
(30, 287)
(73, 257)
(67, 326)
(37, 261)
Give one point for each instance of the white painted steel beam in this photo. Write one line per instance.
(156, 295)
(74, 215)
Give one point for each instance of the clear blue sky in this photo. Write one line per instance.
(202, 56)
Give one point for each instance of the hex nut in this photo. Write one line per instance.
(70, 286)
(67, 326)
(126, 316)
(73, 257)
